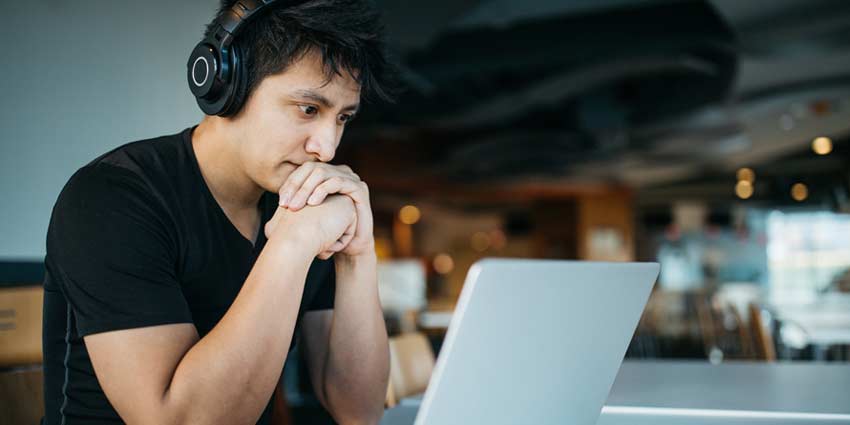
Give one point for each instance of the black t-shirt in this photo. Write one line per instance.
(136, 239)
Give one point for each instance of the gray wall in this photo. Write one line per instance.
(77, 78)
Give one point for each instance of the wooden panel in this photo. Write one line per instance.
(20, 325)
(554, 232)
(606, 227)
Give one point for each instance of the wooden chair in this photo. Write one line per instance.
(723, 330)
(707, 320)
(762, 336)
(21, 376)
(411, 364)
(390, 400)
(746, 348)
(21, 396)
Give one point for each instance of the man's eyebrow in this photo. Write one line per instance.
(318, 98)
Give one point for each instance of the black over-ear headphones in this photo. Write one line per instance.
(215, 72)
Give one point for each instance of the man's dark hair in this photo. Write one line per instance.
(348, 34)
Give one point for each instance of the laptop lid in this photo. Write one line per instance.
(536, 341)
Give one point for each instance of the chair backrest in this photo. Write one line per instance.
(411, 364)
(746, 347)
(20, 325)
(390, 399)
(762, 336)
(707, 320)
(725, 334)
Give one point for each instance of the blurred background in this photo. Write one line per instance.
(710, 136)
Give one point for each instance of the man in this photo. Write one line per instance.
(179, 269)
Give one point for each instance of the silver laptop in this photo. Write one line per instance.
(534, 342)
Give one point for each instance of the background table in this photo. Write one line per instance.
(823, 323)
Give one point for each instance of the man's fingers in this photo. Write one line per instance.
(346, 238)
(301, 187)
(299, 199)
(333, 185)
(336, 247)
(343, 241)
(323, 190)
(295, 180)
(349, 233)
(354, 189)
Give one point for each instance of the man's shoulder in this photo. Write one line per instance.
(144, 156)
(138, 170)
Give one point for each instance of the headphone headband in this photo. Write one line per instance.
(230, 23)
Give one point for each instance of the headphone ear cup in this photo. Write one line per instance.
(238, 88)
(207, 75)
(216, 100)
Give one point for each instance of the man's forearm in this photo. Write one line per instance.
(357, 366)
(229, 375)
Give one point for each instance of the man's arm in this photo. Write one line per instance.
(346, 348)
(166, 375)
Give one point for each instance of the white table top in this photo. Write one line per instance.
(670, 392)
(772, 387)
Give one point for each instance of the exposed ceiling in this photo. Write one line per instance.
(636, 92)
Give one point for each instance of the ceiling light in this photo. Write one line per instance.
(744, 189)
(799, 192)
(822, 145)
(747, 175)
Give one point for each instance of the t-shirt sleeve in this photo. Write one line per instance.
(322, 278)
(108, 241)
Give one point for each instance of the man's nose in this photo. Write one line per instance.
(322, 143)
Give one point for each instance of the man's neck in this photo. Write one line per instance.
(215, 149)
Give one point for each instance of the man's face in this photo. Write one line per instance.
(291, 118)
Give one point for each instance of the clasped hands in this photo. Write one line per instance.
(328, 207)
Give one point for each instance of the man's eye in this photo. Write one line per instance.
(344, 118)
(309, 109)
